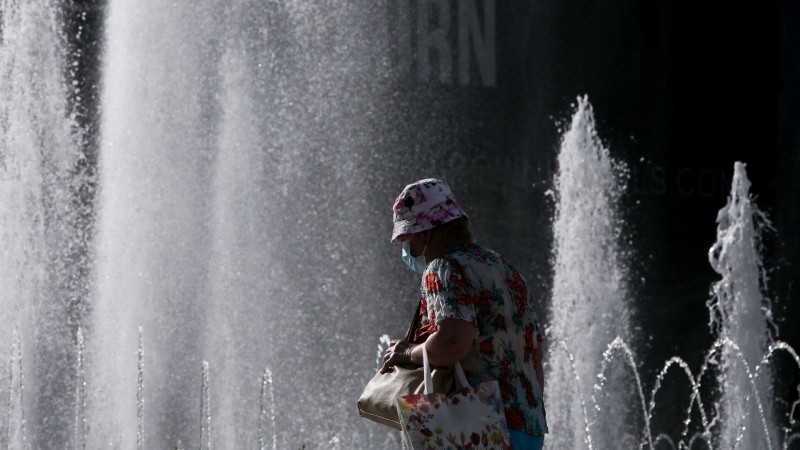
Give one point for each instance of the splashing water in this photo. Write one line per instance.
(80, 393)
(709, 425)
(16, 435)
(44, 226)
(140, 394)
(205, 408)
(589, 306)
(740, 312)
(224, 127)
(267, 398)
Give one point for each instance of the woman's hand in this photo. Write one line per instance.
(446, 346)
(399, 352)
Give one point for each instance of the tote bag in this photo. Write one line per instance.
(472, 417)
(378, 402)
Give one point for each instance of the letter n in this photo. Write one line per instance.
(483, 43)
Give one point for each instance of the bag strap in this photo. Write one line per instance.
(426, 368)
(462, 378)
(412, 329)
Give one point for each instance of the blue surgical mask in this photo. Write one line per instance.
(417, 264)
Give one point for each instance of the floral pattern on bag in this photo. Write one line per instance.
(469, 419)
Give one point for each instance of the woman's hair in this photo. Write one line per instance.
(455, 233)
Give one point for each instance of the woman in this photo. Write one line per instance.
(475, 308)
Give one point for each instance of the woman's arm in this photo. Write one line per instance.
(448, 345)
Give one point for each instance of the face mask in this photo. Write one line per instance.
(417, 264)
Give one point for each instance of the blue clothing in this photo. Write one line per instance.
(525, 441)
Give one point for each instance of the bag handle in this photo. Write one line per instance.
(426, 368)
(412, 329)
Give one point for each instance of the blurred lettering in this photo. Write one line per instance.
(427, 44)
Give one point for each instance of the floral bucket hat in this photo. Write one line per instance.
(423, 205)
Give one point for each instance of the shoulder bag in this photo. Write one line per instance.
(378, 402)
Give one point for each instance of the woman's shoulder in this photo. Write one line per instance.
(472, 253)
(467, 258)
(456, 259)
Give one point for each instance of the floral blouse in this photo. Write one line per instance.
(476, 284)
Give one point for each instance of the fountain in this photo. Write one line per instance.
(216, 290)
(45, 227)
(589, 307)
(223, 130)
(741, 314)
(588, 344)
